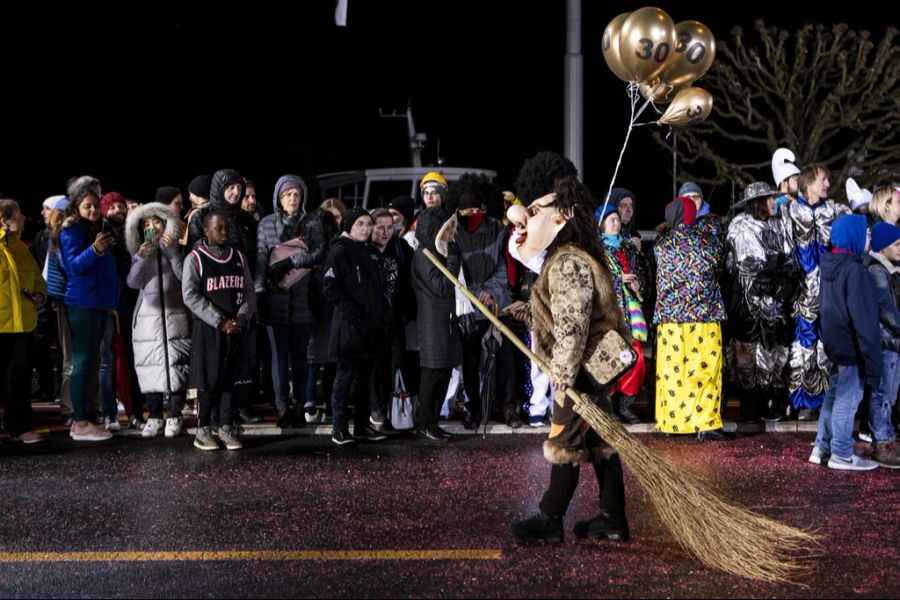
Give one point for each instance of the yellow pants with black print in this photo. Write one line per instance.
(688, 377)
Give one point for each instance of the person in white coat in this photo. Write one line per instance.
(152, 232)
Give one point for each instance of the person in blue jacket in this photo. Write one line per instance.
(92, 290)
(852, 338)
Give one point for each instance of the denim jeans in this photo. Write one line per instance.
(289, 345)
(349, 369)
(845, 391)
(883, 398)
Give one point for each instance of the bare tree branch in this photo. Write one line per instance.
(832, 95)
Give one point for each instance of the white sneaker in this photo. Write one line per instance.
(854, 463)
(173, 426)
(88, 432)
(112, 424)
(818, 456)
(152, 428)
(865, 436)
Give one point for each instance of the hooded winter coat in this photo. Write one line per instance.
(439, 341)
(484, 259)
(291, 306)
(242, 225)
(850, 329)
(147, 324)
(18, 272)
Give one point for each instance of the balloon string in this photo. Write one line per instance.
(634, 96)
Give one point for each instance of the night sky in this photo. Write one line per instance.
(152, 95)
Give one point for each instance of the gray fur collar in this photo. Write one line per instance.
(891, 267)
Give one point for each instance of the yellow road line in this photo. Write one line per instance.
(220, 555)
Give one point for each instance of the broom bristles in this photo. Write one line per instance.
(719, 533)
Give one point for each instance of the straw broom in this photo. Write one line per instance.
(719, 533)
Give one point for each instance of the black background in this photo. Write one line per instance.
(143, 95)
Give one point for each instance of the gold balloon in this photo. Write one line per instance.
(690, 106)
(611, 47)
(658, 91)
(694, 54)
(647, 43)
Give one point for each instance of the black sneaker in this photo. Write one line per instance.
(370, 434)
(603, 526)
(247, 417)
(538, 528)
(771, 416)
(342, 437)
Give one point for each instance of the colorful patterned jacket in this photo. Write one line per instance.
(689, 260)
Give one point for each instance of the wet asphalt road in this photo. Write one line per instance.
(303, 493)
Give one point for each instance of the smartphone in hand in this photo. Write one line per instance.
(150, 236)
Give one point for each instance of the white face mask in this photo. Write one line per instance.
(398, 227)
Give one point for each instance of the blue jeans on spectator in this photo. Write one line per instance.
(883, 399)
(349, 369)
(289, 345)
(845, 391)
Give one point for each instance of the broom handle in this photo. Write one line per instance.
(542, 365)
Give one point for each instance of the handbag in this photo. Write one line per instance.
(609, 358)
(286, 250)
(402, 409)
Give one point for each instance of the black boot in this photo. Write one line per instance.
(285, 418)
(624, 410)
(604, 526)
(537, 528)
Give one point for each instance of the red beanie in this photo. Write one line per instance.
(108, 200)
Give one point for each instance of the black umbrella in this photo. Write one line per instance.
(487, 369)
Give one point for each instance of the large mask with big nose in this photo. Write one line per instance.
(542, 222)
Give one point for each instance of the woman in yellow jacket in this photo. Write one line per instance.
(22, 290)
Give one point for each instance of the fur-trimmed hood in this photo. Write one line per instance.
(134, 232)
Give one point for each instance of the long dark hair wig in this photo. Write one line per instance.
(574, 199)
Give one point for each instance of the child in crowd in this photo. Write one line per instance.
(218, 289)
(852, 338)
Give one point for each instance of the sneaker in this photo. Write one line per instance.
(66, 419)
(246, 417)
(173, 426)
(865, 436)
(112, 424)
(342, 437)
(135, 422)
(376, 423)
(229, 437)
(808, 415)
(152, 428)
(204, 439)
(536, 421)
(771, 416)
(854, 463)
(885, 454)
(370, 434)
(603, 526)
(29, 437)
(85, 431)
(538, 528)
(819, 456)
